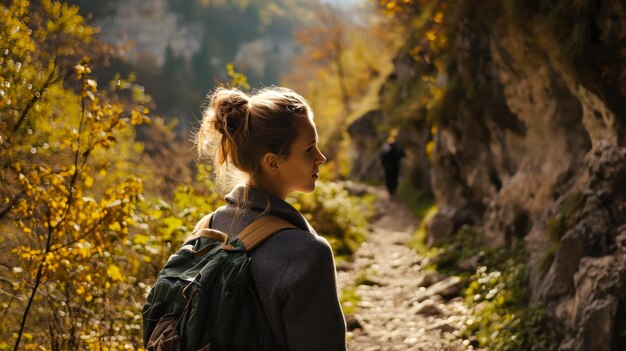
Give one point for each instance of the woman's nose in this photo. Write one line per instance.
(320, 158)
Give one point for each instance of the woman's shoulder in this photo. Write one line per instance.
(296, 243)
(298, 236)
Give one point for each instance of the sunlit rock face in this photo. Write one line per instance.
(369, 131)
(365, 141)
(146, 28)
(535, 157)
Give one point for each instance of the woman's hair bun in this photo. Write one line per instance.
(230, 108)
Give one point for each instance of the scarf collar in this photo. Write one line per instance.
(258, 201)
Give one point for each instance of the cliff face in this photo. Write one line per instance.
(537, 156)
(150, 27)
(530, 149)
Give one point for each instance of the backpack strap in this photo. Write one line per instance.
(259, 230)
(202, 229)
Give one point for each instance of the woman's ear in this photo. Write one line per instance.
(269, 163)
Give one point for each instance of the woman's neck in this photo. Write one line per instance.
(266, 188)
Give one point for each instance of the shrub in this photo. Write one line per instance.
(334, 213)
(503, 319)
(497, 293)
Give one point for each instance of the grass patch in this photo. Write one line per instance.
(418, 239)
(465, 245)
(349, 299)
(503, 319)
(364, 279)
(420, 202)
(497, 293)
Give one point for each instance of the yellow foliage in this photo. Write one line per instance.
(114, 273)
(115, 226)
(430, 149)
(81, 230)
(238, 80)
(340, 71)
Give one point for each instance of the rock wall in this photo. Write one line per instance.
(365, 142)
(367, 138)
(543, 164)
(530, 148)
(403, 113)
(150, 27)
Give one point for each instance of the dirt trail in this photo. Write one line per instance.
(401, 306)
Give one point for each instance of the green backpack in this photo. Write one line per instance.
(205, 297)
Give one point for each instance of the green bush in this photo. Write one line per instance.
(497, 292)
(503, 319)
(466, 244)
(349, 299)
(340, 217)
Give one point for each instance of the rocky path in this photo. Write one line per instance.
(399, 306)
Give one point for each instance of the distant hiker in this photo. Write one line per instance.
(391, 153)
(270, 137)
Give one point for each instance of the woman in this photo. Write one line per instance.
(270, 137)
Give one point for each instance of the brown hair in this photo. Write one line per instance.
(240, 128)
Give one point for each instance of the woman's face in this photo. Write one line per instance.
(299, 171)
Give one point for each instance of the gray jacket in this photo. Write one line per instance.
(294, 272)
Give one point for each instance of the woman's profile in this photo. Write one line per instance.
(269, 136)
